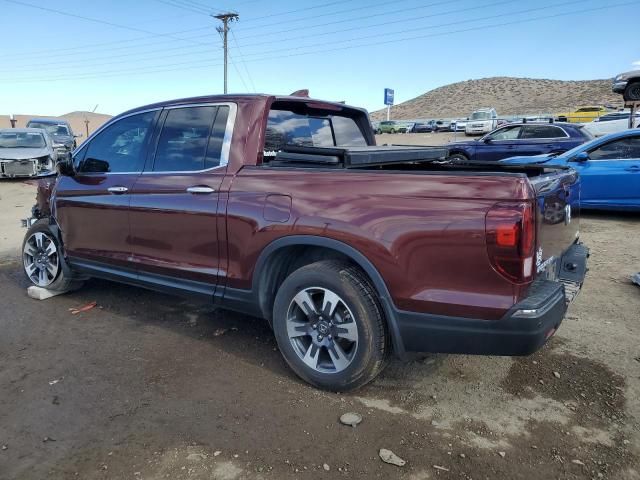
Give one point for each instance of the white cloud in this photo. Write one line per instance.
(636, 63)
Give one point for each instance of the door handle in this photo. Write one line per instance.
(117, 190)
(200, 190)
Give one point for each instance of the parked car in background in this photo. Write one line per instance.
(284, 208)
(26, 152)
(392, 126)
(442, 125)
(64, 141)
(609, 169)
(458, 125)
(520, 139)
(583, 114)
(611, 123)
(628, 84)
(422, 127)
(481, 121)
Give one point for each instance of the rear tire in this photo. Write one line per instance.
(632, 92)
(329, 326)
(43, 259)
(458, 157)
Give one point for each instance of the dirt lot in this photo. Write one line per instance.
(147, 386)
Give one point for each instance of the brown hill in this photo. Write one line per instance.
(508, 95)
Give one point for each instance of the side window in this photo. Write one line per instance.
(216, 139)
(506, 133)
(347, 132)
(184, 138)
(622, 149)
(543, 131)
(120, 147)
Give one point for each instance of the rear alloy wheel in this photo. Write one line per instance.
(458, 157)
(329, 326)
(321, 330)
(632, 92)
(41, 259)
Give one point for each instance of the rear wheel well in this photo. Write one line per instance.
(283, 262)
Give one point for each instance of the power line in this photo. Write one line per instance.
(163, 51)
(279, 14)
(233, 36)
(226, 19)
(340, 48)
(90, 19)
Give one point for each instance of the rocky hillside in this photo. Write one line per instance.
(508, 95)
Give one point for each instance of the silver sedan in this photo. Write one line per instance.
(26, 152)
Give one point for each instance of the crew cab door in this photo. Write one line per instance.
(174, 205)
(92, 207)
(499, 144)
(611, 175)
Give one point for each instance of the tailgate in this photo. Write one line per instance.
(558, 211)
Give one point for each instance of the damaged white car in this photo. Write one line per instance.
(26, 152)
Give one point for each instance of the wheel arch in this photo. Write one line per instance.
(278, 259)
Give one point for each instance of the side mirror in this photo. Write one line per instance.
(581, 157)
(65, 166)
(78, 135)
(487, 140)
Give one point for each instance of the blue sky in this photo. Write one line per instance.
(122, 54)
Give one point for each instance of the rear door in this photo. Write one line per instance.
(502, 143)
(174, 206)
(611, 176)
(92, 207)
(538, 139)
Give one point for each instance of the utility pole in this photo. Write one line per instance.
(225, 18)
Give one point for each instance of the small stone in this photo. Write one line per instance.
(196, 457)
(326, 467)
(48, 439)
(438, 467)
(541, 382)
(350, 419)
(625, 442)
(435, 423)
(502, 454)
(103, 467)
(462, 455)
(388, 456)
(534, 362)
(216, 453)
(236, 456)
(577, 462)
(556, 374)
(4, 447)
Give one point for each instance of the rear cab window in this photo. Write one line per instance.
(297, 124)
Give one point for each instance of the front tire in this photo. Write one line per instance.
(42, 259)
(632, 92)
(329, 326)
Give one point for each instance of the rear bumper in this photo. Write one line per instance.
(523, 329)
(618, 87)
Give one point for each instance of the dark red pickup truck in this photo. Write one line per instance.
(284, 208)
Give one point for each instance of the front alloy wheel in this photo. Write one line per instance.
(322, 330)
(41, 259)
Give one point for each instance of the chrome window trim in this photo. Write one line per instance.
(226, 140)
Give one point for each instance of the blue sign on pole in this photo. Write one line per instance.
(388, 96)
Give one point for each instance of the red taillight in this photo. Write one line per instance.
(510, 234)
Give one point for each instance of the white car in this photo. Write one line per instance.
(610, 123)
(483, 120)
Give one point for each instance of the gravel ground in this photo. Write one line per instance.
(148, 386)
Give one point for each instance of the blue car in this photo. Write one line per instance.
(531, 138)
(609, 169)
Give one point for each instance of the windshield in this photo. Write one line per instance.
(480, 116)
(21, 140)
(51, 128)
